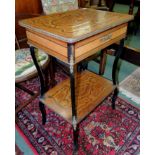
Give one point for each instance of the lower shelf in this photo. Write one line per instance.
(90, 90)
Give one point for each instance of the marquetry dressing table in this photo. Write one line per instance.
(71, 37)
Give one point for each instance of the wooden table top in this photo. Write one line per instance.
(75, 25)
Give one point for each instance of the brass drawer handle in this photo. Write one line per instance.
(105, 38)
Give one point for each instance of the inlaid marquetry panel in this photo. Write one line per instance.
(90, 90)
(76, 25)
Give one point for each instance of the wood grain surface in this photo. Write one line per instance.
(75, 25)
(90, 90)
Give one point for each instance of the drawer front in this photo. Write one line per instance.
(58, 48)
(102, 39)
(51, 46)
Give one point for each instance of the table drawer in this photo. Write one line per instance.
(52, 46)
(87, 47)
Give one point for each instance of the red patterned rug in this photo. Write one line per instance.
(103, 132)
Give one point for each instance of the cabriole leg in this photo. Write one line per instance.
(42, 83)
(118, 54)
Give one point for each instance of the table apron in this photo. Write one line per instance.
(83, 49)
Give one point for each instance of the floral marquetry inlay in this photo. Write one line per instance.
(75, 25)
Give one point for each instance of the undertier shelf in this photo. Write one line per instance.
(90, 90)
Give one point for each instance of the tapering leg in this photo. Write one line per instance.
(75, 136)
(43, 112)
(74, 114)
(114, 97)
(114, 69)
(72, 87)
(42, 83)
